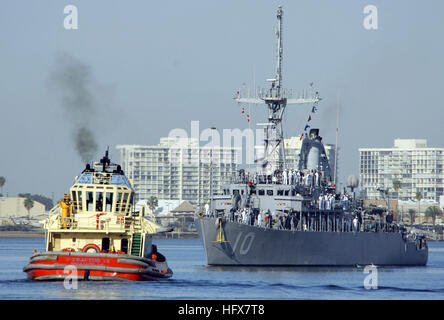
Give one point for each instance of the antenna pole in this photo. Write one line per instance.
(279, 52)
(336, 144)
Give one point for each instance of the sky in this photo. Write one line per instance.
(147, 67)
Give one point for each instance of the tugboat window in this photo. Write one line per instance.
(74, 200)
(80, 204)
(269, 192)
(261, 192)
(118, 202)
(125, 198)
(89, 201)
(109, 202)
(99, 201)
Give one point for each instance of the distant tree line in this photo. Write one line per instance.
(2, 183)
(47, 202)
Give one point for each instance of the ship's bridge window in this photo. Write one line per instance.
(280, 192)
(74, 201)
(109, 202)
(80, 203)
(99, 201)
(125, 198)
(269, 192)
(119, 202)
(235, 192)
(89, 201)
(261, 192)
(286, 192)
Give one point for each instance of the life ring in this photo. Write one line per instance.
(91, 246)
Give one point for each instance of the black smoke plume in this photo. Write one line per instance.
(72, 79)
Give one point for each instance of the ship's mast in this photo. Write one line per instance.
(279, 50)
(276, 98)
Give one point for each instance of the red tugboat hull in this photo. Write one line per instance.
(58, 265)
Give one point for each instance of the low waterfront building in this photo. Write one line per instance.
(13, 209)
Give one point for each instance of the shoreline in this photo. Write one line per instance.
(41, 234)
(22, 234)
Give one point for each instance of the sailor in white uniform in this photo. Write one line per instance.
(285, 176)
(355, 224)
(207, 208)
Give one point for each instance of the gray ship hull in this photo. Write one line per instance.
(250, 245)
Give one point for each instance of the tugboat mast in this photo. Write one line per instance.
(276, 98)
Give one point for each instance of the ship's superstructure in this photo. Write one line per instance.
(278, 215)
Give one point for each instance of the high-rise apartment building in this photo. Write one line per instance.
(178, 169)
(410, 161)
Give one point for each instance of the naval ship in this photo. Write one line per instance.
(281, 216)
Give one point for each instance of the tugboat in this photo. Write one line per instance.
(95, 233)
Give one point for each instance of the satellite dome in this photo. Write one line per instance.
(352, 181)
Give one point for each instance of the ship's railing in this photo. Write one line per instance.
(313, 220)
(277, 179)
(103, 177)
(89, 222)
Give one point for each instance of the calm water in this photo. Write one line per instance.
(194, 280)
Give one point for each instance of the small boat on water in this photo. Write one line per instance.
(95, 234)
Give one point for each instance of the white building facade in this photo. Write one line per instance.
(178, 169)
(410, 161)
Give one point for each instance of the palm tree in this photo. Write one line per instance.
(28, 203)
(152, 203)
(433, 212)
(412, 213)
(418, 197)
(397, 186)
(2, 183)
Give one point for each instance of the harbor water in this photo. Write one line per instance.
(193, 280)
